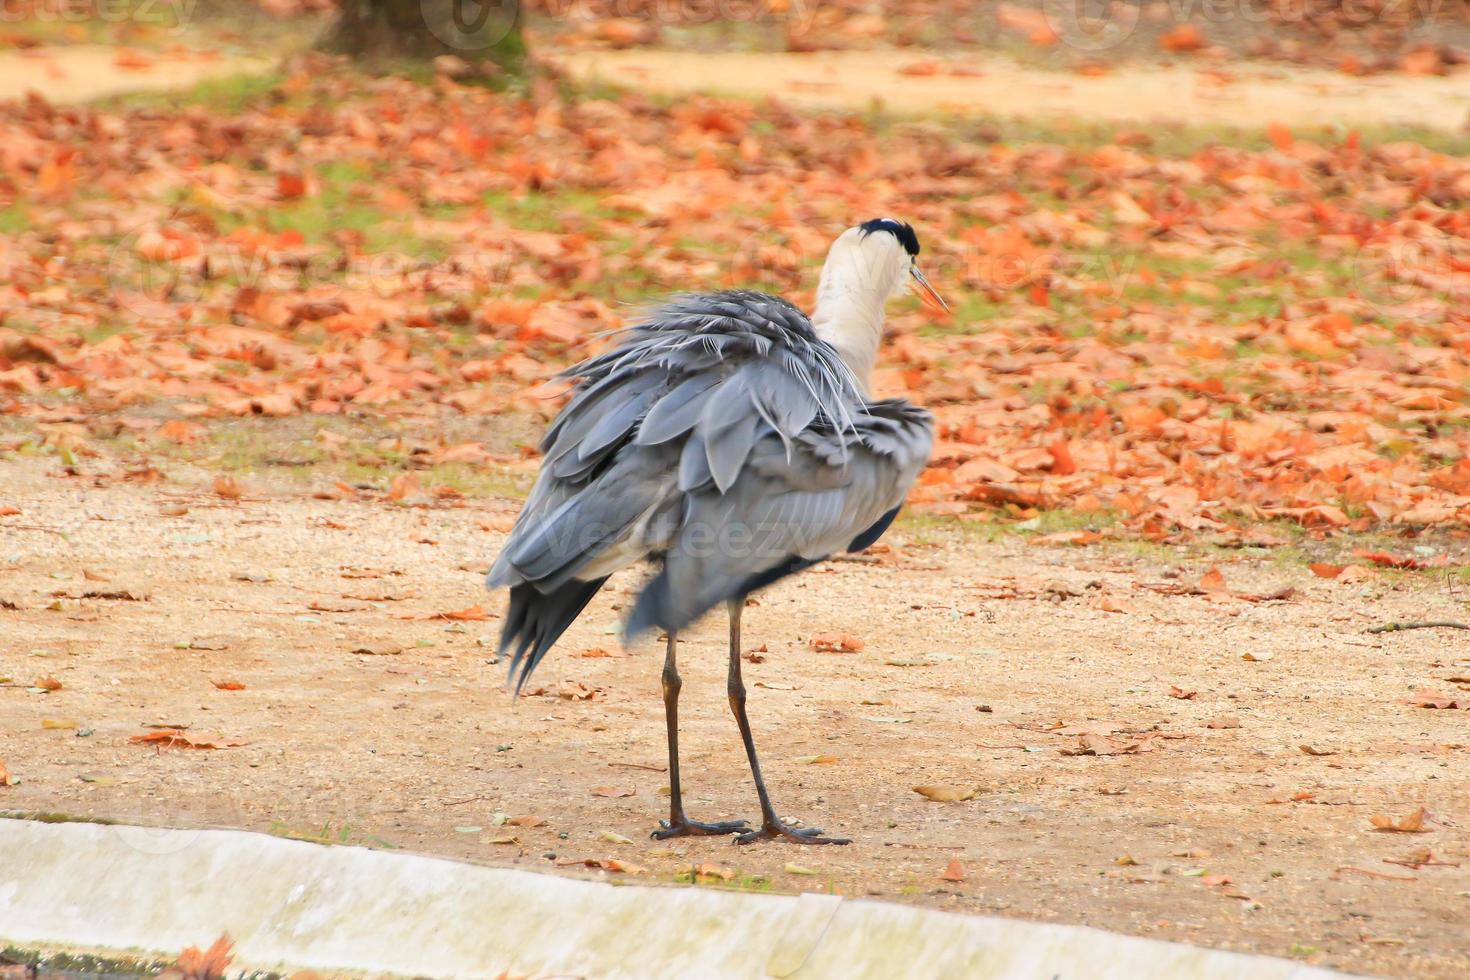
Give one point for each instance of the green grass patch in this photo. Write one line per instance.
(229, 94)
(51, 816)
(331, 832)
(740, 882)
(14, 220)
(479, 481)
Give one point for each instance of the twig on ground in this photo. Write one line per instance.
(1427, 624)
(460, 802)
(36, 527)
(1382, 875)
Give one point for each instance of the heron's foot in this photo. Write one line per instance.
(797, 835)
(693, 828)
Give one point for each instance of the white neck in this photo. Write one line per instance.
(849, 316)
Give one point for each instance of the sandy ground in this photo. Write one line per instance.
(75, 73)
(1239, 94)
(365, 726)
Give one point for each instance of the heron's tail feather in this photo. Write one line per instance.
(536, 620)
(680, 593)
(653, 609)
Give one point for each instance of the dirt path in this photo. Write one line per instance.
(1245, 95)
(1241, 94)
(365, 726)
(80, 72)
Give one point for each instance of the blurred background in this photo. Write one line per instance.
(1193, 215)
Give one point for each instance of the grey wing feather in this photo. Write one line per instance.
(787, 511)
(722, 411)
(676, 412)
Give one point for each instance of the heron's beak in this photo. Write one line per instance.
(927, 294)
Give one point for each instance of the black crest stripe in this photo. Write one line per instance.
(898, 229)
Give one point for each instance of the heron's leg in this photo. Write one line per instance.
(678, 825)
(771, 825)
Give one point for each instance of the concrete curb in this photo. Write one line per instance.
(294, 905)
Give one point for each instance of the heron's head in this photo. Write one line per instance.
(866, 267)
(881, 257)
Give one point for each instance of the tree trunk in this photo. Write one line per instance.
(379, 31)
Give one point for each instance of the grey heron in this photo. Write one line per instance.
(731, 441)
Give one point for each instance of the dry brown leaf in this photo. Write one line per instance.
(1098, 744)
(403, 486)
(713, 871)
(378, 650)
(176, 739)
(836, 643)
(475, 613)
(1434, 699)
(943, 793)
(1067, 538)
(196, 964)
(1411, 823)
(227, 488)
(598, 653)
(527, 820)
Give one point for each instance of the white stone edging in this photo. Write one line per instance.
(293, 905)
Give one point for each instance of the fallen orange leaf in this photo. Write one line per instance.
(196, 964)
(227, 487)
(1412, 823)
(836, 643)
(176, 739)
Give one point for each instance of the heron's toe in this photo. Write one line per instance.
(797, 835)
(695, 828)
